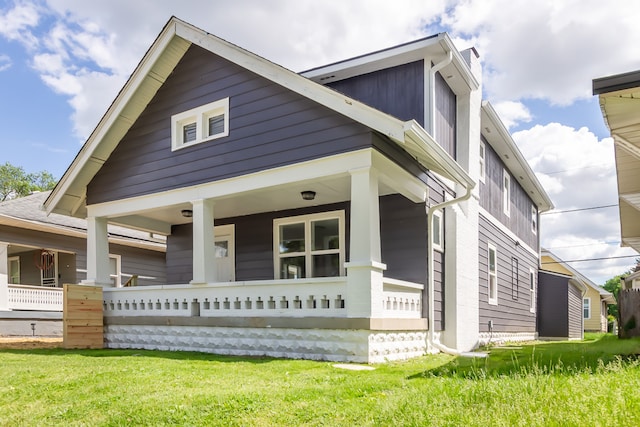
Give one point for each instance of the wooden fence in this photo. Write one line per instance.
(629, 313)
(82, 317)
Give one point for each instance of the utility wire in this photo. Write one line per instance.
(580, 209)
(582, 246)
(593, 259)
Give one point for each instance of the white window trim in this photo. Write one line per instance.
(438, 246)
(587, 306)
(307, 219)
(118, 275)
(534, 219)
(506, 192)
(9, 261)
(493, 300)
(532, 288)
(482, 154)
(200, 116)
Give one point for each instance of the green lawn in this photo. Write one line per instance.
(589, 383)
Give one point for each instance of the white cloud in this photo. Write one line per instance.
(577, 170)
(5, 62)
(548, 49)
(512, 113)
(16, 23)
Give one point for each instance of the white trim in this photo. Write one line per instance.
(533, 290)
(200, 117)
(9, 261)
(493, 300)
(503, 228)
(308, 252)
(506, 192)
(438, 222)
(117, 277)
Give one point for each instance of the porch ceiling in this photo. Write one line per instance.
(621, 110)
(329, 190)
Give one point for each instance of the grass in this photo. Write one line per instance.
(592, 382)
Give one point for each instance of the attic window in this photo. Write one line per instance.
(200, 124)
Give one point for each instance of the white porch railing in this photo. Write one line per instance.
(401, 300)
(24, 297)
(317, 297)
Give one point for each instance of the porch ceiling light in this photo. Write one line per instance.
(308, 195)
(187, 213)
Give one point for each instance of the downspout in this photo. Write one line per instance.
(430, 268)
(431, 209)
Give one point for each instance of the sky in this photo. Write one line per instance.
(62, 62)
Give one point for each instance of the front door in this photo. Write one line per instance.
(49, 268)
(225, 253)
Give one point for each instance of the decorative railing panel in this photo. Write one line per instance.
(319, 297)
(401, 300)
(23, 297)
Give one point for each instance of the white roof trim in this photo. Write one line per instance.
(502, 141)
(606, 295)
(152, 71)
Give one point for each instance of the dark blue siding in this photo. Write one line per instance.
(398, 91)
(269, 127)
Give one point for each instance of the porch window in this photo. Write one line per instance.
(309, 246)
(200, 124)
(14, 270)
(493, 274)
(437, 231)
(534, 219)
(115, 270)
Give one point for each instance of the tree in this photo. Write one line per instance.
(15, 182)
(614, 285)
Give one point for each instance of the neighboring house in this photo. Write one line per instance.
(590, 307)
(618, 95)
(632, 281)
(369, 210)
(40, 253)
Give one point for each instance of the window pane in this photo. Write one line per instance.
(292, 268)
(113, 266)
(222, 249)
(292, 238)
(326, 265)
(325, 235)
(436, 230)
(189, 132)
(216, 125)
(492, 261)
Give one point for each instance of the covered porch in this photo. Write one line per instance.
(302, 281)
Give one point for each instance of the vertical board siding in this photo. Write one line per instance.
(553, 305)
(398, 91)
(269, 127)
(445, 116)
(575, 312)
(510, 314)
(519, 220)
(437, 193)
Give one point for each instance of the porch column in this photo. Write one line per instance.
(204, 266)
(97, 252)
(364, 269)
(4, 277)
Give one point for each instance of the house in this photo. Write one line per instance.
(40, 253)
(632, 281)
(368, 210)
(569, 302)
(618, 96)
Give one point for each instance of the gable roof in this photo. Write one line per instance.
(500, 139)
(27, 213)
(604, 294)
(619, 97)
(69, 196)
